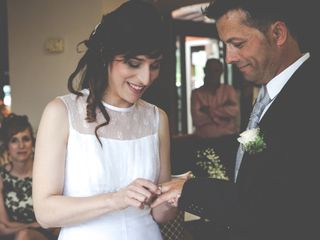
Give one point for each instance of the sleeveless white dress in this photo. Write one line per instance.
(130, 150)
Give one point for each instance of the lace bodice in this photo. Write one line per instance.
(139, 120)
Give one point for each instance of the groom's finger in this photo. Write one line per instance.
(165, 197)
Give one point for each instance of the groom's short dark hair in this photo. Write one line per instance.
(260, 13)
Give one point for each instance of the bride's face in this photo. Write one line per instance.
(129, 78)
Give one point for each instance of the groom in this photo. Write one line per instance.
(276, 192)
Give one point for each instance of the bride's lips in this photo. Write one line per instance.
(136, 88)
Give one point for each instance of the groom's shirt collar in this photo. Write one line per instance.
(277, 83)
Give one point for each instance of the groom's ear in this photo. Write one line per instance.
(279, 32)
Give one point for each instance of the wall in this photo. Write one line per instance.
(36, 77)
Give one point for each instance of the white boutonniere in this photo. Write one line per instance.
(252, 141)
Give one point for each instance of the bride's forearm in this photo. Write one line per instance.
(60, 211)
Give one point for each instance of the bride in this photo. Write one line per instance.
(101, 150)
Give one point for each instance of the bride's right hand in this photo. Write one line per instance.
(136, 194)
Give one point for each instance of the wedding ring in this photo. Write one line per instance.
(160, 188)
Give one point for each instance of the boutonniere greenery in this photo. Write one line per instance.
(209, 161)
(252, 141)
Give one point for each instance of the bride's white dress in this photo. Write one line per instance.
(130, 150)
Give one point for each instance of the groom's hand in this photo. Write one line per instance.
(170, 192)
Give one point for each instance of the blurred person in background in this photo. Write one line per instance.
(214, 106)
(17, 219)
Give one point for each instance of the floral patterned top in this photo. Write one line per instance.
(17, 194)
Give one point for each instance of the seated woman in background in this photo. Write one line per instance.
(17, 220)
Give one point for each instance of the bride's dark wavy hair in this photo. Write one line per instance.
(135, 28)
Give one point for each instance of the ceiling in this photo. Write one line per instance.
(183, 9)
(170, 5)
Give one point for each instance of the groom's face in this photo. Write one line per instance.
(252, 51)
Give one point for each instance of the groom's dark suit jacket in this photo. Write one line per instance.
(276, 195)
